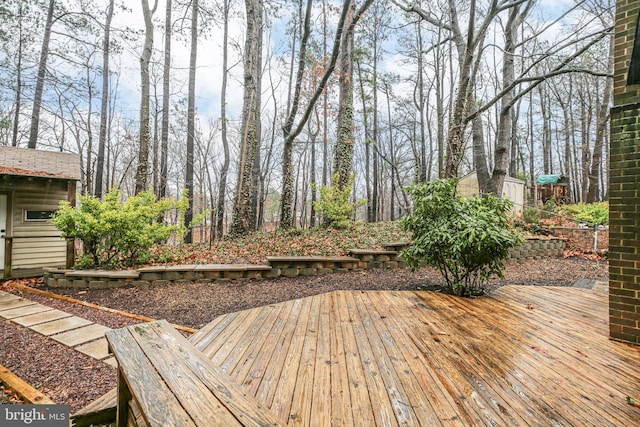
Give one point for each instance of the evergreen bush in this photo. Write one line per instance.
(466, 239)
(116, 232)
(335, 206)
(592, 213)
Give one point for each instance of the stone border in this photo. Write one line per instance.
(287, 266)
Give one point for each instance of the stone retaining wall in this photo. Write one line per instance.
(583, 238)
(535, 248)
(288, 266)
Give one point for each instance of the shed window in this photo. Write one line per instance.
(38, 215)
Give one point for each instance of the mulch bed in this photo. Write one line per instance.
(72, 378)
(8, 397)
(196, 304)
(63, 374)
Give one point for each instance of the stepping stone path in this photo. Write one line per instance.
(596, 285)
(72, 331)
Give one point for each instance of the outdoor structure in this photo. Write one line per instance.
(513, 189)
(32, 184)
(550, 186)
(525, 355)
(624, 191)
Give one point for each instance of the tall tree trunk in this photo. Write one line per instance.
(440, 66)
(343, 151)
(546, 140)
(455, 142)
(421, 106)
(312, 178)
(367, 144)
(503, 141)
(89, 175)
(603, 119)
(42, 68)
(287, 219)
(191, 119)
(585, 151)
(376, 185)
(166, 81)
(104, 105)
(243, 214)
(142, 171)
(290, 132)
(18, 102)
(480, 157)
(222, 187)
(325, 103)
(155, 145)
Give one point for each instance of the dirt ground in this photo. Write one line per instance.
(72, 378)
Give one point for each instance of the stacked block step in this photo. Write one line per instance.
(287, 266)
(374, 258)
(292, 266)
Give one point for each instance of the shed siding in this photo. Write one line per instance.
(36, 244)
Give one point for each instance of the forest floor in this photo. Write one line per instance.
(72, 378)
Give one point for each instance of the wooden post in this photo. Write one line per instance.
(8, 250)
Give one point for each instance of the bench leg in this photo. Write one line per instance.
(124, 396)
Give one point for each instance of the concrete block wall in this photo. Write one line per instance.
(583, 238)
(536, 248)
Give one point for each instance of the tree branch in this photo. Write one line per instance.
(558, 70)
(423, 14)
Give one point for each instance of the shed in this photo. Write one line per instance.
(549, 186)
(512, 190)
(32, 185)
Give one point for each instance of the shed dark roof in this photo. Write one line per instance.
(46, 164)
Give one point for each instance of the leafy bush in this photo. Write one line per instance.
(335, 206)
(550, 208)
(534, 228)
(531, 215)
(593, 213)
(115, 232)
(466, 239)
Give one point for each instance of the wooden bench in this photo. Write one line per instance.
(163, 380)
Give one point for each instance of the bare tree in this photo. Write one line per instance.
(42, 68)
(191, 113)
(104, 108)
(166, 83)
(243, 209)
(291, 131)
(142, 172)
(343, 152)
(222, 185)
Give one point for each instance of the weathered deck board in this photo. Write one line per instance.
(523, 356)
(175, 384)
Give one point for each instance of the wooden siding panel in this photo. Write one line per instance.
(33, 199)
(40, 252)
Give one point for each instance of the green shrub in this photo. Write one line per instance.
(466, 239)
(534, 228)
(550, 209)
(593, 213)
(335, 206)
(531, 215)
(115, 232)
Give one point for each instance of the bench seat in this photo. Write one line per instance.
(171, 383)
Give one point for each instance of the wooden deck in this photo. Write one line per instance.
(524, 356)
